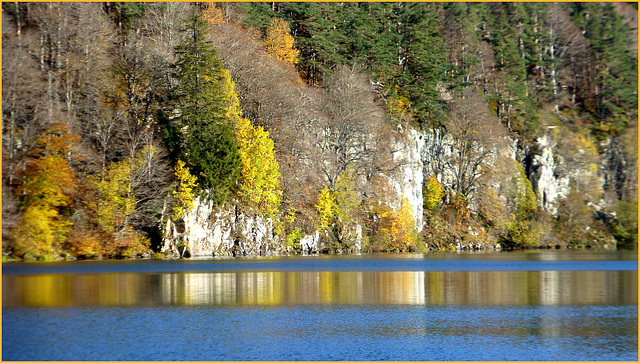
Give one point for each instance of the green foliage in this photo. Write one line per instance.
(522, 229)
(425, 64)
(526, 204)
(616, 82)
(125, 13)
(399, 43)
(200, 132)
(625, 227)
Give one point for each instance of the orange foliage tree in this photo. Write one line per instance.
(212, 14)
(48, 185)
(279, 41)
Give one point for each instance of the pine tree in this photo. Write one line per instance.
(423, 65)
(205, 135)
(510, 90)
(616, 82)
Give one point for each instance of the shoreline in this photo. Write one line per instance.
(160, 256)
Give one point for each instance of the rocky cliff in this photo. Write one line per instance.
(231, 231)
(408, 183)
(206, 230)
(549, 184)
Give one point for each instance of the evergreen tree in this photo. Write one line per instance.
(423, 61)
(616, 82)
(199, 125)
(510, 88)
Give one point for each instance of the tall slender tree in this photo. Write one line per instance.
(199, 131)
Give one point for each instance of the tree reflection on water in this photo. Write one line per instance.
(323, 287)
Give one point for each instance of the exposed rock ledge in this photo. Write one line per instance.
(220, 231)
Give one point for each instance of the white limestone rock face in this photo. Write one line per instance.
(551, 173)
(438, 147)
(549, 186)
(408, 183)
(309, 244)
(225, 231)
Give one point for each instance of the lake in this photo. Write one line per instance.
(535, 305)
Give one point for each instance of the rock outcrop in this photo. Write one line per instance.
(408, 183)
(206, 230)
(550, 186)
(230, 231)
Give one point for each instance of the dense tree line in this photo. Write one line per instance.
(480, 72)
(116, 115)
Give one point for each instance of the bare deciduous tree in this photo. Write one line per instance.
(475, 132)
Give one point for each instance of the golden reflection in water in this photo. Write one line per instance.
(326, 287)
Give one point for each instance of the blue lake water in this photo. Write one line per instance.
(549, 305)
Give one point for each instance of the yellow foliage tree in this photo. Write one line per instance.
(233, 112)
(432, 192)
(33, 238)
(327, 208)
(212, 14)
(117, 204)
(259, 172)
(48, 185)
(393, 230)
(259, 180)
(48, 179)
(184, 190)
(346, 195)
(49, 182)
(338, 211)
(279, 41)
(403, 229)
(339, 204)
(116, 200)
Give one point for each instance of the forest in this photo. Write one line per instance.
(117, 116)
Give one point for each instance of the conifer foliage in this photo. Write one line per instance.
(199, 131)
(117, 116)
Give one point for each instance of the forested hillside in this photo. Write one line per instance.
(118, 117)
